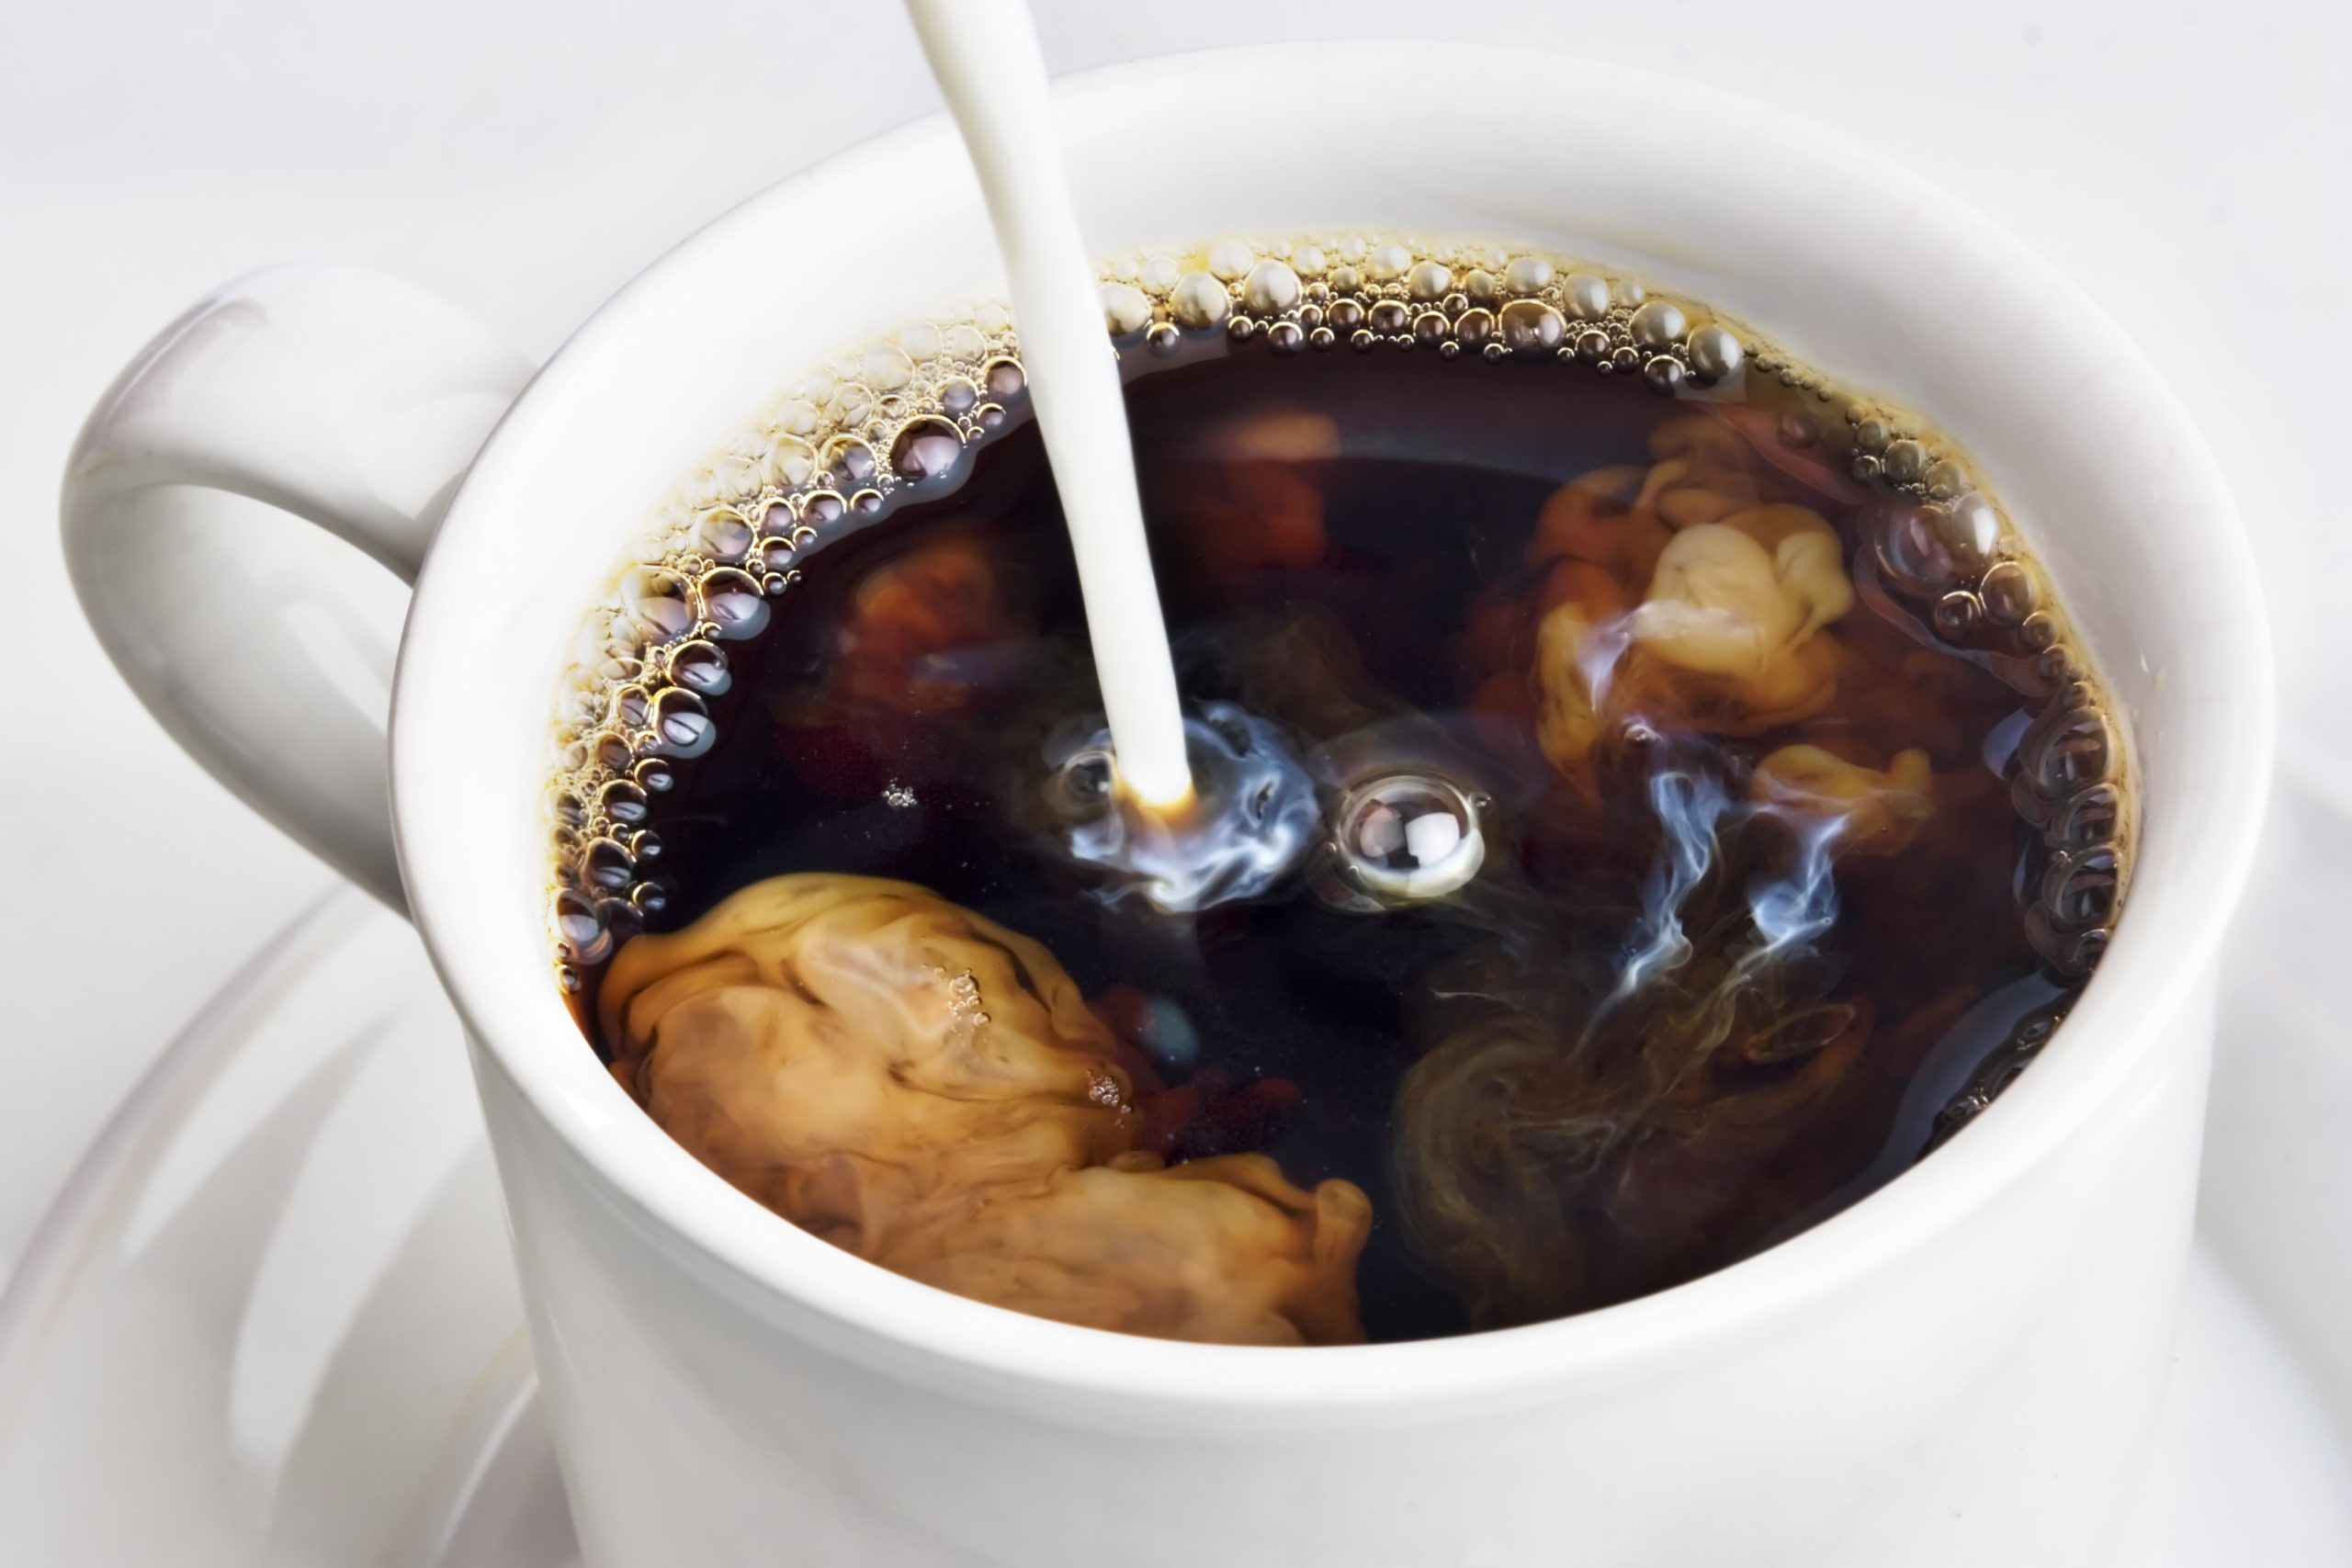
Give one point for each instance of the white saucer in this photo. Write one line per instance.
(272, 1321)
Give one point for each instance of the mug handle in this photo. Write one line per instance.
(350, 401)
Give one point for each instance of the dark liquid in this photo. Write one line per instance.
(893, 720)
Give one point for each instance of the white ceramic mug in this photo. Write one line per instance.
(1959, 1370)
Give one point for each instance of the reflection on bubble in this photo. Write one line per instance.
(1403, 836)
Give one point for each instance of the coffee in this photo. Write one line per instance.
(1649, 799)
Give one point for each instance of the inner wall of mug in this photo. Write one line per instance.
(1821, 249)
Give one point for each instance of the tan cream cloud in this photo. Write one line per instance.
(925, 1088)
(1725, 638)
(1879, 811)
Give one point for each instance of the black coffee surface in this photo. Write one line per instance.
(1587, 1075)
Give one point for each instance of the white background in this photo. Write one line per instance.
(2189, 164)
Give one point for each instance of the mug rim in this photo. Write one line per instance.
(861, 1310)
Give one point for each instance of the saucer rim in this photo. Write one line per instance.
(44, 1270)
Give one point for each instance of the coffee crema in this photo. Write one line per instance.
(1669, 803)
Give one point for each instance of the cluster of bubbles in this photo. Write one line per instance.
(834, 450)
(1939, 545)
(2001, 1069)
(839, 447)
(1450, 298)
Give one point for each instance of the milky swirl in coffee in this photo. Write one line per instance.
(1672, 645)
